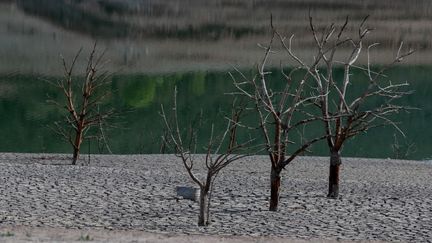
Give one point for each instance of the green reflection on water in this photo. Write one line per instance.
(139, 92)
(25, 115)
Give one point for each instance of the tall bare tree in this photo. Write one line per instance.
(220, 152)
(83, 96)
(281, 115)
(344, 113)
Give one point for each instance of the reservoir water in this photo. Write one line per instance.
(154, 46)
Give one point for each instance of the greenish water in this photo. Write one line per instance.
(167, 36)
(25, 116)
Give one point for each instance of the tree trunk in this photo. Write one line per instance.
(76, 147)
(75, 156)
(275, 181)
(203, 218)
(335, 162)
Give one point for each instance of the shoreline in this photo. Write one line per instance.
(381, 200)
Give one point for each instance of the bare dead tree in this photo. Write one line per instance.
(220, 152)
(281, 115)
(83, 96)
(402, 150)
(345, 115)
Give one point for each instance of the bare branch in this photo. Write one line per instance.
(82, 106)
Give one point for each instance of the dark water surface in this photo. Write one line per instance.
(158, 45)
(26, 115)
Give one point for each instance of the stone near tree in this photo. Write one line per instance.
(187, 192)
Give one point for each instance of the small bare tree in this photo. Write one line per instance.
(220, 152)
(345, 114)
(402, 150)
(281, 114)
(82, 102)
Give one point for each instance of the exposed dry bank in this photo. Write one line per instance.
(381, 199)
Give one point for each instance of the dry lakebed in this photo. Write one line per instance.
(132, 198)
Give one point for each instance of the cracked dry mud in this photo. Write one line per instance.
(383, 200)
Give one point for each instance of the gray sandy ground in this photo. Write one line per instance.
(133, 197)
(25, 234)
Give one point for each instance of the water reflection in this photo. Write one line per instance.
(156, 45)
(171, 36)
(139, 92)
(26, 115)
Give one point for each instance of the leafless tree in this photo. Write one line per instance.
(344, 113)
(281, 113)
(83, 96)
(220, 152)
(402, 149)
